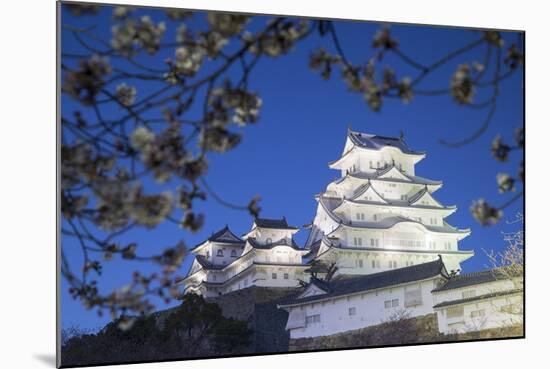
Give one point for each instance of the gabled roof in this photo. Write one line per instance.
(375, 176)
(224, 235)
(273, 223)
(353, 285)
(390, 222)
(397, 174)
(470, 279)
(393, 202)
(374, 142)
(424, 193)
(366, 187)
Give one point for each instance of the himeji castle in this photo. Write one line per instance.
(377, 216)
(385, 232)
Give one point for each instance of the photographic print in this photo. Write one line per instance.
(237, 184)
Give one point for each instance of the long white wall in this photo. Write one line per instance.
(481, 314)
(490, 313)
(367, 309)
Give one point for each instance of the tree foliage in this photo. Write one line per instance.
(195, 328)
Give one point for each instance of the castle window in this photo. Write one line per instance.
(455, 312)
(468, 294)
(352, 311)
(285, 276)
(312, 319)
(233, 253)
(395, 303)
(273, 275)
(477, 313)
(220, 252)
(413, 296)
(359, 263)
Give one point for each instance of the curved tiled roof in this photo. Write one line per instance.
(352, 285)
(224, 235)
(374, 142)
(375, 176)
(206, 264)
(469, 279)
(381, 172)
(389, 222)
(273, 223)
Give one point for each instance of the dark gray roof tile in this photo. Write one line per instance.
(350, 285)
(469, 279)
(273, 223)
(377, 142)
(477, 298)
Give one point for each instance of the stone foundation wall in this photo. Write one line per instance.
(414, 330)
(409, 331)
(258, 306)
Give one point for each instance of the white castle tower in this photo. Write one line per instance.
(379, 215)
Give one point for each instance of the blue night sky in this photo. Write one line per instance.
(283, 158)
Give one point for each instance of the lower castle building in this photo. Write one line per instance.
(463, 303)
(266, 256)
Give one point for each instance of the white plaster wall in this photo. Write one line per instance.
(370, 310)
(480, 289)
(390, 238)
(350, 210)
(493, 317)
(226, 250)
(348, 260)
(275, 235)
(262, 276)
(370, 160)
